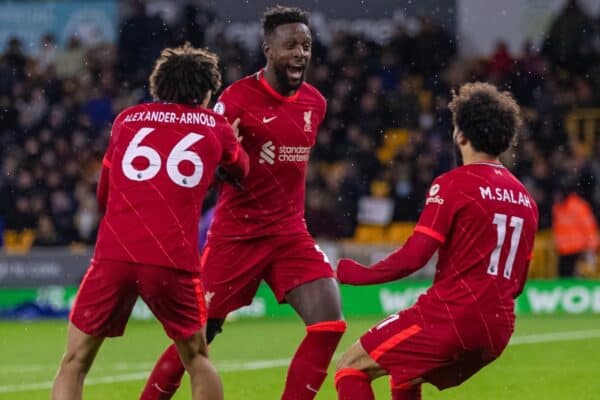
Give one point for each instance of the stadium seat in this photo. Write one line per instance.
(583, 126)
(544, 263)
(588, 270)
(399, 232)
(370, 234)
(380, 188)
(394, 138)
(18, 241)
(425, 99)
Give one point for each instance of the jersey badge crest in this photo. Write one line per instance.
(307, 121)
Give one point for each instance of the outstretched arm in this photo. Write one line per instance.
(415, 253)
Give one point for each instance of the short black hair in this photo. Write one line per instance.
(280, 15)
(486, 116)
(184, 75)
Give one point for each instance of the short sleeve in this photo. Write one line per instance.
(438, 213)
(227, 105)
(107, 159)
(114, 133)
(324, 111)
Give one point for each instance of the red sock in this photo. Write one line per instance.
(352, 384)
(308, 368)
(406, 392)
(165, 377)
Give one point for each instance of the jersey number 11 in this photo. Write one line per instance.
(517, 224)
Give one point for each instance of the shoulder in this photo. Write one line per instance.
(445, 187)
(241, 86)
(469, 177)
(126, 115)
(221, 126)
(234, 95)
(130, 110)
(147, 107)
(448, 178)
(218, 117)
(314, 94)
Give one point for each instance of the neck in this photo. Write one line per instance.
(471, 157)
(271, 78)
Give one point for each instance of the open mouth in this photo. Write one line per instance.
(296, 72)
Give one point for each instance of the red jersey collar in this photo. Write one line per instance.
(490, 163)
(275, 93)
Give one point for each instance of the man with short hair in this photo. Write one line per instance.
(482, 222)
(260, 233)
(159, 163)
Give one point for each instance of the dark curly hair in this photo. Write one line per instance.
(486, 116)
(279, 15)
(184, 75)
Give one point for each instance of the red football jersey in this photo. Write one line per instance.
(486, 221)
(277, 133)
(161, 159)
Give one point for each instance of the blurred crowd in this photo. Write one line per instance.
(56, 107)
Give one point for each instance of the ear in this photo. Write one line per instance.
(460, 138)
(266, 48)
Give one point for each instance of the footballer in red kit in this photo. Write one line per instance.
(482, 222)
(259, 233)
(159, 163)
(278, 133)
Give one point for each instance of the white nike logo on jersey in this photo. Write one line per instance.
(267, 120)
(309, 387)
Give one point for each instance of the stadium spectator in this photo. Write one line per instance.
(70, 61)
(15, 60)
(433, 50)
(575, 229)
(47, 54)
(47, 234)
(136, 52)
(371, 88)
(568, 43)
(501, 62)
(196, 18)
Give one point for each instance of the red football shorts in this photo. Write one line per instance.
(233, 269)
(110, 289)
(416, 343)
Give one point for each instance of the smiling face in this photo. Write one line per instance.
(288, 51)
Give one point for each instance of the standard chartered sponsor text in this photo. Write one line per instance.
(293, 153)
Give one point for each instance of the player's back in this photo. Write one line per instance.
(162, 157)
(492, 221)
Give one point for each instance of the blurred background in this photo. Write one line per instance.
(387, 68)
